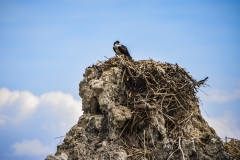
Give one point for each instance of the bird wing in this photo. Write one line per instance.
(124, 50)
(114, 50)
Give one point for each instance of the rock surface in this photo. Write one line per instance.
(126, 117)
(63, 156)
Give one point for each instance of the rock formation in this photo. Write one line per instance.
(140, 110)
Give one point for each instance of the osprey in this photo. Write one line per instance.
(120, 49)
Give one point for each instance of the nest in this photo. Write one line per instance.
(151, 88)
(233, 147)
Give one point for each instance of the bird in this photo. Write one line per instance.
(120, 49)
(202, 81)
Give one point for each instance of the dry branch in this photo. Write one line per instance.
(151, 88)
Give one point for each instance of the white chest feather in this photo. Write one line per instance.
(116, 49)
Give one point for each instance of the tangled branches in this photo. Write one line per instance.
(158, 94)
(233, 147)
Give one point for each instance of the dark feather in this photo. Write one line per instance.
(124, 50)
(202, 81)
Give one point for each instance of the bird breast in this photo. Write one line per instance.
(116, 49)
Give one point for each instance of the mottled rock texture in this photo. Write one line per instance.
(140, 110)
(63, 156)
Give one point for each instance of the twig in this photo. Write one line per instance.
(144, 144)
(181, 148)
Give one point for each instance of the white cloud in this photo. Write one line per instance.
(225, 126)
(63, 107)
(53, 113)
(31, 147)
(60, 110)
(223, 96)
(61, 104)
(19, 105)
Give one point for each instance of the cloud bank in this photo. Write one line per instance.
(37, 119)
(16, 105)
(31, 147)
(225, 126)
(221, 96)
(63, 107)
(58, 109)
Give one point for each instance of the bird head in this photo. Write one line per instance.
(117, 42)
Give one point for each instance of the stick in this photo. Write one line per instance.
(180, 147)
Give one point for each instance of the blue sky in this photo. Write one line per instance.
(45, 47)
